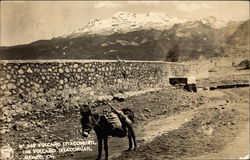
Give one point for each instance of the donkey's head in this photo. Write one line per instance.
(88, 119)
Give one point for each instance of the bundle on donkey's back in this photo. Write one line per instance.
(111, 123)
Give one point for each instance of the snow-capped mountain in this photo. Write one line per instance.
(214, 22)
(123, 22)
(129, 36)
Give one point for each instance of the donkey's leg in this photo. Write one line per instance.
(106, 147)
(133, 136)
(129, 141)
(99, 147)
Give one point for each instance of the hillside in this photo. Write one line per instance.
(241, 35)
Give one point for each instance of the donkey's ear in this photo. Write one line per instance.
(96, 116)
(89, 111)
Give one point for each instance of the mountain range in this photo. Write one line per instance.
(130, 36)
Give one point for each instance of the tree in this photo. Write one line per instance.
(173, 54)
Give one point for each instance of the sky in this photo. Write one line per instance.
(23, 22)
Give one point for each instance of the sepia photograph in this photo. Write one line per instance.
(124, 80)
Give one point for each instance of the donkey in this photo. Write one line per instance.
(103, 129)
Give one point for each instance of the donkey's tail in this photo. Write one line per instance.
(129, 113)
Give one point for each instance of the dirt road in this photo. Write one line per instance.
(231, 99)
(239, 146)
(215, 131)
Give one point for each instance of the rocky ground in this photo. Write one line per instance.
(208, 132)
(223, 71)
(50, 122)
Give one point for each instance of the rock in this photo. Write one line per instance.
(66, 86)
(207, 130)
(50, 70)
(67, 70)
(75, 66)
(60, 70)
(60, 65)
(3, 131)
(39, 136)
(7, 119)
(20, 125)
(11, 86)
(39, 124)
(29, 70)
(19, 111)
(101, 98)
(36, 85)
(143, 117)
(34, 94)
(61, 81)
(61, 87)
(37, 70)
(21, 81)
(20, 71)
(79, 70)
(27, 106)
(147, 110)
(8, 76)
(66, 80)
(85, 70)
(3, 87)
(91, 70)
(78, 77)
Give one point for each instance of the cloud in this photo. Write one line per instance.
(147, 3)
(107, 4)
(190, 7)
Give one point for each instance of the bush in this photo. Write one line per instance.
(244, 64)
(173, 54)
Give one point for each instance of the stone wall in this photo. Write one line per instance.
(42, 75)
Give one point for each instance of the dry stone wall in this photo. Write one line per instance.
(21, 77)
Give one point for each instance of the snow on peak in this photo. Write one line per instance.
(123, 22)
(213, 22)
(123, 15)
(210, 19)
